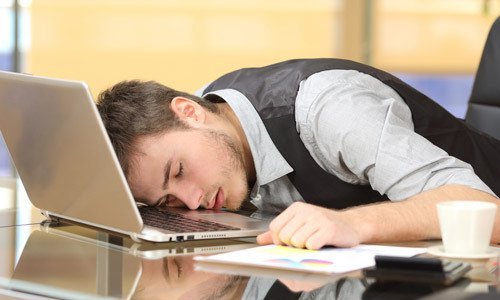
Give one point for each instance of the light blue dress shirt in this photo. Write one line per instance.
(356, 128)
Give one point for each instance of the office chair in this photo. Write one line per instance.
(483, 112)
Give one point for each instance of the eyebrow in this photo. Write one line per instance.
(166, 172)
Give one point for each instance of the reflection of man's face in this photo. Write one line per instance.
(175, 278)
(193, 168)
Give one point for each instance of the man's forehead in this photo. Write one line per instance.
(138, 175)
(150, 147)
(164, 140)
(139, 192)
(145, 172)
(145, 141)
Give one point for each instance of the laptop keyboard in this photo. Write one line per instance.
(176, 222)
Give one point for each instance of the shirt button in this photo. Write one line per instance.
(257, 197)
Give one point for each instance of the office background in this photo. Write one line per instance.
(434, 45)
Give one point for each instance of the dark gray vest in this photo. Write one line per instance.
(272, 91)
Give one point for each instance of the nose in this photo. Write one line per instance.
(189, 194)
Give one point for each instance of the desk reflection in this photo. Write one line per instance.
(175, 278)
(74, 262)
(56, 266)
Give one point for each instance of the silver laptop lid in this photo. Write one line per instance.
(62, 152)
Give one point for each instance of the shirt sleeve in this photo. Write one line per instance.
(360, 130)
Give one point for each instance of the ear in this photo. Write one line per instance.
(188, 111)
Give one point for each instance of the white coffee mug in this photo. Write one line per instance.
(466, 226)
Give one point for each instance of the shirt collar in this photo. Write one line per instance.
(269, 163)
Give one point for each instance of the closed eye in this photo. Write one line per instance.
(179, 268)
(169, 201)
(162, 202)
(181, 171)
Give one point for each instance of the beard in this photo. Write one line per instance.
(227, 150)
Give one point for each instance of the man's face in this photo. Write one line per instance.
(175, 278)
(192, 168)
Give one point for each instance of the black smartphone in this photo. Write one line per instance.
(417, 269)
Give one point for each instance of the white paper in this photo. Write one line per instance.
(326, 260)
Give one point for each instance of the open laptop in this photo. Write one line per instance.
(69, 169)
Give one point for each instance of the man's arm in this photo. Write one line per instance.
(304, 225)
(361, 131)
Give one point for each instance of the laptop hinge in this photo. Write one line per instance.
(135, 237)
(50, 218)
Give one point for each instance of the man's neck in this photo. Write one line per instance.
(228, 114)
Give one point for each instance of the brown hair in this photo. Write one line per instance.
(134, 108)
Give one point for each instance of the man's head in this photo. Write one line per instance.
(135, 108)
(175, 278)
(175, 149)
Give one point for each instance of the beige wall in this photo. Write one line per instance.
(186, 43)
(180, 43)
(431, 36)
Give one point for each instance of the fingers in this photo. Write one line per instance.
(289, 230)
(307, 226)
(276, 226)
(265, 238)
(317, 240)
(300, 238)
(295, 226)
(301, 286)
(307, 237)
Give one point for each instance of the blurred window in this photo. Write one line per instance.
(6, 64)
(8, 61)
(452, 91)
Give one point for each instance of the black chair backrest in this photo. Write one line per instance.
(483, 112)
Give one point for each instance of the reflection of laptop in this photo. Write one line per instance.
(62, 261)
(64, 157)
(146, 250)
(62, 268)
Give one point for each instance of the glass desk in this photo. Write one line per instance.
(73, 262)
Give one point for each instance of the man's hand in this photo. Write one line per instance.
(307, 226)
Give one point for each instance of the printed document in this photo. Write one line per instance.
(326, 260)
